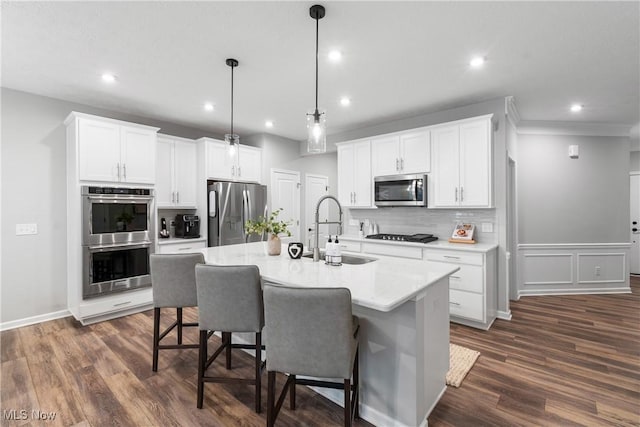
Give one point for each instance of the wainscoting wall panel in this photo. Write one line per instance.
(581, 268)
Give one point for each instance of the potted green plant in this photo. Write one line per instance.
(273, 227)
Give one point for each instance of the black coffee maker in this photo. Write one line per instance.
(187, 226)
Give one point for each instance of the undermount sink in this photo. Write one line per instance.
(346, 259)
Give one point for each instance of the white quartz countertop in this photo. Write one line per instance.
(381, 285)
(438, 244)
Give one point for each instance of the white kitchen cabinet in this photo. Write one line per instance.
(181, 246)
(176, 173)
(461, 175)
(354, 174)
(114, 151)
(473, 288)
(402, 153)
(249, 164)
(229, 164)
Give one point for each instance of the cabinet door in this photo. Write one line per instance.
(138, 155)
(362, 174)
(475, 164)
(250, 164)
(385, 156)
(445, 177)
(98, 150)
(164, 173)
(346, 160)
(415, 152)
(220, 159)
(184, 172)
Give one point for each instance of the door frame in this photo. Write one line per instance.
(305, 187)
(297, 206)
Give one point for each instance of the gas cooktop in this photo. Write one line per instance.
(415, 238)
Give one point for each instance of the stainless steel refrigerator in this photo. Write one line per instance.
(230, 205)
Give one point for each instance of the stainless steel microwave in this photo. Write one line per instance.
(400, 190)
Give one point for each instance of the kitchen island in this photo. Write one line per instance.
(403, 305)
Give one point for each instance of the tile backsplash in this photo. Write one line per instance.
(411, 220)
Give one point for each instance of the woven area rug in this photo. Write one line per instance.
(461, 361)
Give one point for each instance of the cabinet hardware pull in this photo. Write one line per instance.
(118, 166)
(239, 171)
(456, 194)
(233, 171)
(454, 303)
(355, 197)
(177, 197)
(185, 249)
(451, 257)
(454, 277)
(397, 164)
(173, 197)
(124, 171)
(122, 303)
(462, 194)
(401, 165)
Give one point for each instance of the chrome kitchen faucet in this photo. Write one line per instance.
(316, 248)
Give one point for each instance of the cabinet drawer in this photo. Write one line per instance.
(466, 304)
(392, 250)
(458, 257)
(350, 246)
(171, 248)
(110, 304)
(468, 278)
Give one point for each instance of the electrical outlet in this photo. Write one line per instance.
(26, 229)
(597, 270)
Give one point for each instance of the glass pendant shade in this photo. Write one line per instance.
(316, 132)
(234, 142)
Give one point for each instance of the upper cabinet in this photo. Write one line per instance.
(354, 174)
(110, 150)
(176, 173)
(231, 164)
(461, 175)
(402, 153)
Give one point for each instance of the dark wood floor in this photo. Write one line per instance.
(570, 360)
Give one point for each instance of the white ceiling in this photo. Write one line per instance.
(400, 59)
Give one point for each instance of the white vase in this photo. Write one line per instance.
(274, 246)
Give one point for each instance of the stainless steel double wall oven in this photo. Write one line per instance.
(118, 234)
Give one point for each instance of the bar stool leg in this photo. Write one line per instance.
(156, 340)
(271, 397)
(292, 392)
(258, 371)
(202, 361)
(179, 324)
(347, 403)
(356, 381)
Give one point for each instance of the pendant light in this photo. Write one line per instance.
(316, 121)
(231, 138)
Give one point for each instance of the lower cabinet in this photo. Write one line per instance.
(472, 289)
(181, 246)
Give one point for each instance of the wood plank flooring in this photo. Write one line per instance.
(561, 361)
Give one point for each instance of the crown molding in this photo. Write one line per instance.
(530, 127)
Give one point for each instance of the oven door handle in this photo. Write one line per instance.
(106, 248)
(120, 197)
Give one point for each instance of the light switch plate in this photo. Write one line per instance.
(487, 227)
(26, 229)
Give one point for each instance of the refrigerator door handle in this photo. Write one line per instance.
(213, 202)
(244, 213)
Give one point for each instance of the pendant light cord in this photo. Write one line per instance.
(232, 67)
(317, 22)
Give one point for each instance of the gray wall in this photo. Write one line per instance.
(634, 163)
(564, 200)
(33, 174)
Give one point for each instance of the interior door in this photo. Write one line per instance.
(634, 255)
(285, 195)
(315, 186)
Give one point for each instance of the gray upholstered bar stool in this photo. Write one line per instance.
(311, 332)
(229, 300)
(173, 284)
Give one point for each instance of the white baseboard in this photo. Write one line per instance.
(5, 326)
(597, 291)
(504, 315)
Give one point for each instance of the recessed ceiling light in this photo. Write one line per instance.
(345, 101)
(576, 108)
(208, 106)
(108, 78)
(477, 61)
(335, 55)
(269, 123)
